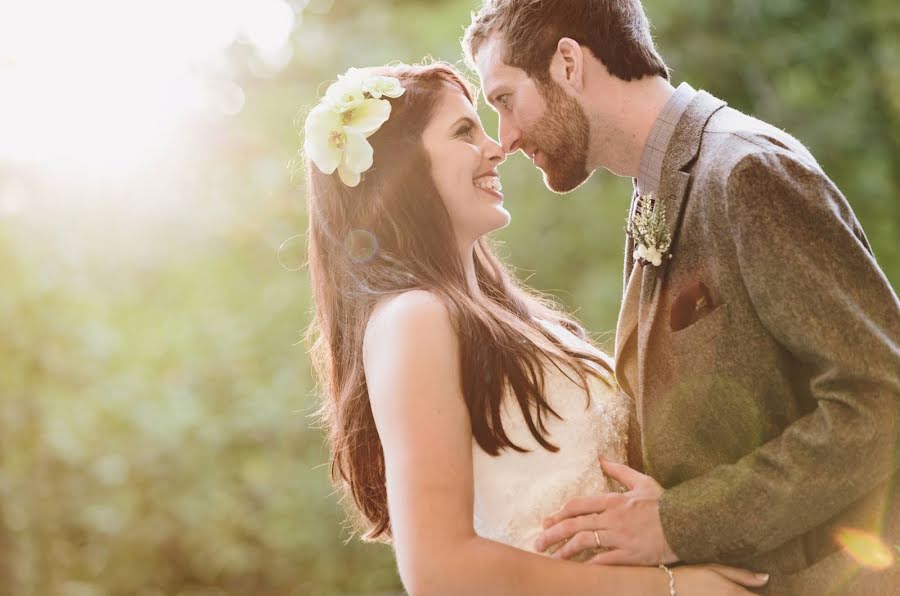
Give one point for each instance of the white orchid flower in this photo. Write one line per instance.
(367, 116)
(378, 86)
(337, 140)
(351, 111)
(354, 76)
(344, 94)
(356, 159)
(325, 138)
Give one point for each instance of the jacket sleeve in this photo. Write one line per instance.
(816, 287)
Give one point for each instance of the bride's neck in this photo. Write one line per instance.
(468, 259)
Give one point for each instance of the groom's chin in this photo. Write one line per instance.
(564, 184)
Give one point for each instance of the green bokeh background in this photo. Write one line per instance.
(155, 394)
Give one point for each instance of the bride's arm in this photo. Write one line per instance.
(412, 371)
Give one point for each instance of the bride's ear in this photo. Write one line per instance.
(567, 65)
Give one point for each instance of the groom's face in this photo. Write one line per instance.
(536, 117)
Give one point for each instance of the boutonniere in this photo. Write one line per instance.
(647, 227)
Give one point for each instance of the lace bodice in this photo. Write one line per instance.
(515, 491)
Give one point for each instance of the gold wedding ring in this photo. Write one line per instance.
(597, 539)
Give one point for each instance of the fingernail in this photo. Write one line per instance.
(763, 576)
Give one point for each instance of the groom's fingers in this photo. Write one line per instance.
(582, 541)
(567, 529)
(626, 476)
(583, 506)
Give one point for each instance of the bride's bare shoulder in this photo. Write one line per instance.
(413, 319)
(411, 358)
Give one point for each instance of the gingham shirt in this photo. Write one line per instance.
(658, 140)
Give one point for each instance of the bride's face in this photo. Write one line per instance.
(463, 164)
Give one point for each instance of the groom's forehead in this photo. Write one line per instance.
(492, 68)
(490, 54)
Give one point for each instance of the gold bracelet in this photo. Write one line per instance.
(671, 579)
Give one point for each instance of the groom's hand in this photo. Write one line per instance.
(627, 524)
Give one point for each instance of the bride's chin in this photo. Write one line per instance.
(504, 218)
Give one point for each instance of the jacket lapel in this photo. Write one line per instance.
(626, 323)
(673, 187)
(625, 329)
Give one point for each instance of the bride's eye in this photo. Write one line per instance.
(465, 131)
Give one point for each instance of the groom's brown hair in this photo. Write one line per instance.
(616, 31)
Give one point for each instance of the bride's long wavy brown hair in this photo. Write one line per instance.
(391, 234)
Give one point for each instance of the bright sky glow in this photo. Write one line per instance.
(104, 86)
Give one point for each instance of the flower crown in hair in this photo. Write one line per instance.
(351, 111)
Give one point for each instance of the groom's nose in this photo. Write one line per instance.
(494, 152)
(510, 135)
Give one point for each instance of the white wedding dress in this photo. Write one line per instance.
(515, 491)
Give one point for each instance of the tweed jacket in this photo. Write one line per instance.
(771, 418)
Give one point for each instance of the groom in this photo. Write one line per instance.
(758, 338)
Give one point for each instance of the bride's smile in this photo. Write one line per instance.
(464, 162)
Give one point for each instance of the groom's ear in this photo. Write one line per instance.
(567, 65)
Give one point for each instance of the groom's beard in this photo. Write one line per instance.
(562, 135)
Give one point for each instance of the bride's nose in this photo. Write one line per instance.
(494, 152)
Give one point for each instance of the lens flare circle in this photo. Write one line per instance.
(362, 246)
(284, 248)
(865, 548)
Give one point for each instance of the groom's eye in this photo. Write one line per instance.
(503, 100)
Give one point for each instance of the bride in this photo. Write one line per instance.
(462, 409)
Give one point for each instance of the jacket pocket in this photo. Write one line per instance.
(703, 329)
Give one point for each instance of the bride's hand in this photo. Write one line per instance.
(716, 579)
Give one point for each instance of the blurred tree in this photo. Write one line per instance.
(154, 398)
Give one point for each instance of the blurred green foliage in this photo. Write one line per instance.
(154, 391)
